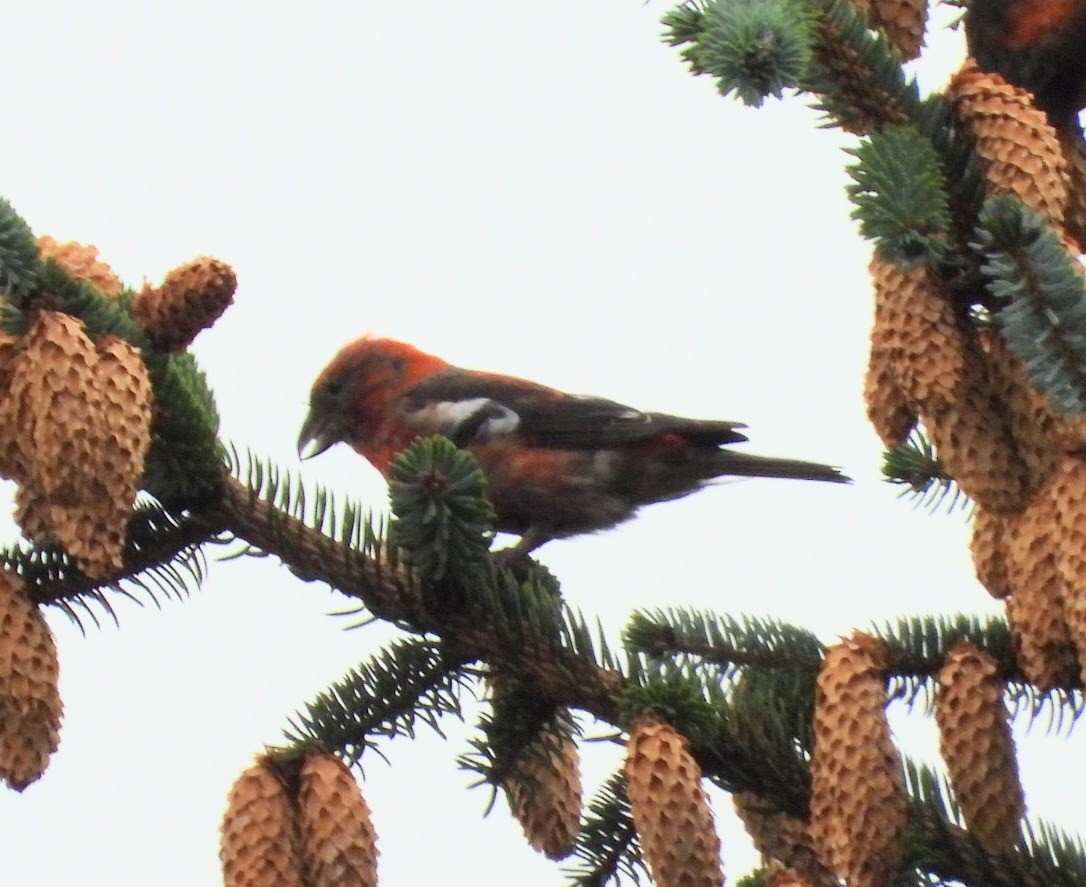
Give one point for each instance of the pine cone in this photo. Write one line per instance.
(1017, 147)
(858, 801)
(989, 549)
(782, 838)
(888, 408)
(670, 809)
(977, 450)
(1068, 502)
(123, 430)
(919, 341)
(260, 842)
(920, 335)
(339, 845)
(975, 740)
(77, 420)
(544, 790)
(51, 412)
(68, 400)
(1034, 609)
(1074, 153)
(1041, 434)
(49, 373)
(81, 263)
(30, 707)
(190, 300)
(903, 23)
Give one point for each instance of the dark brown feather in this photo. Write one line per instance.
(551, 418)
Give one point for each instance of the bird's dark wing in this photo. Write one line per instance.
(470, 407)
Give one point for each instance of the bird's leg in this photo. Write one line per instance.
(530, 540)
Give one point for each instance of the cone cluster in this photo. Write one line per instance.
(975, 741)
(1018, 459)
(298, 827)
(783, 841)
(190, 300)
(858, 800)
(670, 808)
(30, 707)
(1022, 462)
(1036, 561)
(82, 263)
(926, 363)
(75, 421)
(543, 788)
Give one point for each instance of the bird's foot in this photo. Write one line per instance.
(517, 555)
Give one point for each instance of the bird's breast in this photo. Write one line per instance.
(1033, 20)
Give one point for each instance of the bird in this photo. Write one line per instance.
(1038, 45)
(556, 464)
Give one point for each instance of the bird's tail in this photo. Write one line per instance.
(747, 465)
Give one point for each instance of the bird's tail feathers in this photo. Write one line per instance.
(748, 465)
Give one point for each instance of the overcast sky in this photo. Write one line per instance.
(540, 189)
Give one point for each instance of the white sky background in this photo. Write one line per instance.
(540, 189)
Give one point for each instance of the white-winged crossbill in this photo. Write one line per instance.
(556, 464)
(1039, 45)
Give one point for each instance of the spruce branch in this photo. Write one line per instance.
(915, 467)
(394, 595)
(57, 290)
(856, 74)
(684, 23)
(899, 190)
(722, 639)
(690, 699)
(1041, 297)
(763, 746)
(186, 462)
(519, 723)
(163, 558)
(445, 523)
(754, 49)
(408, 681)
(387, 592)
(749, 751)
(752, 743)
(607, 848)
(19, 256)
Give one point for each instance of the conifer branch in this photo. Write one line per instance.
(1042, 299)
(608, 846)
(752, 754)
(407, 681)
(856, 74)
(391, 594)
(915, 467)
(160, 543)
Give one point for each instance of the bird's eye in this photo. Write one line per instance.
(333, 387)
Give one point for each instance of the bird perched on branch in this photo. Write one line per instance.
(1039, 45)
(556, 464)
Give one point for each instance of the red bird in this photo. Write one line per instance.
(556, 464)
(1039, 45)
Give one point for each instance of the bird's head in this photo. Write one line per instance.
(356, 393)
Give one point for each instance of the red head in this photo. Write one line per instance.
(354, 397)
